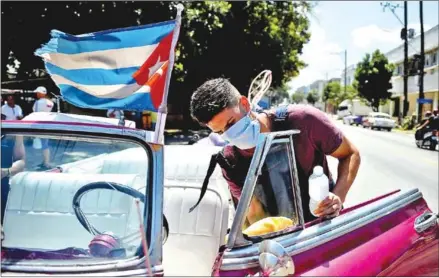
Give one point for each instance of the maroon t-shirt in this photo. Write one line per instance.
(318, 137)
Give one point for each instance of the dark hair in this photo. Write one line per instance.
(211, 98)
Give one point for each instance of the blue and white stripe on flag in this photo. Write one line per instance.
(114, 69)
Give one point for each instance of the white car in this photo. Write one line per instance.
(379, 120)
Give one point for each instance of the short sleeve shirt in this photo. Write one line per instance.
(12, 113)
(43, 105)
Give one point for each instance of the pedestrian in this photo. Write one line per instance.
(218, 105)
(115, 114)
(10, 110)
(43, 104)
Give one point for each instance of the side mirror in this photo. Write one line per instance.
(274, 260)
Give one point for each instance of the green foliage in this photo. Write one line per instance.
(372, 78)
(408, 123)
(298, 97)
(334, 93)
(312, 97)
(235, 39)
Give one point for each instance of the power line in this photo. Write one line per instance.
(392, 8)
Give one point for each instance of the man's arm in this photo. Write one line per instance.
(348, 163)
(331, 141)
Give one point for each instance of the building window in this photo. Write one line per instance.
(433, 59)
(427, 60)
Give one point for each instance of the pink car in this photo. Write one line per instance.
(117, 204)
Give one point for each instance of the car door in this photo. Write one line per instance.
(378, 237)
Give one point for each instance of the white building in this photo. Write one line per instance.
(431, 76)
(318, 86)
(350, 76)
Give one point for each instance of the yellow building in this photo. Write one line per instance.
(431, 76)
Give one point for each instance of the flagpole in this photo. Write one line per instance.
(163, 108)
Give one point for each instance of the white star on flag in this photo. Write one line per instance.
(155, 67)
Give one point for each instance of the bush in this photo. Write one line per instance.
(408, 123)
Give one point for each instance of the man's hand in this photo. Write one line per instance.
(329, 207)
(5, 172)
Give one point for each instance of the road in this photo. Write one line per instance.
(390, 161)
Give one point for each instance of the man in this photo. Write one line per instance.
(426, 125)
(218, 105)
(10, 110)
(116, 114)
(43, 104)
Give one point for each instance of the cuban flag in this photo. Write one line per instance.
(122, 69)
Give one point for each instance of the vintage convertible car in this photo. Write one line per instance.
(117, 204)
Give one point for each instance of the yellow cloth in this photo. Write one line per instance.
(268, 225)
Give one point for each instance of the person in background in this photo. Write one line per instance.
(116, 114)
(10, 110)
(43, 104)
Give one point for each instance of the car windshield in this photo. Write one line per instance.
(41, 177)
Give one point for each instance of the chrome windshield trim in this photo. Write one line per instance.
(247, 257)
(156, 187)
(143, 135)
(265, 140)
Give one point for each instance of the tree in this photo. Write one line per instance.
(235, 39)
(372, 78)
(298, 97)
(332, 92)
(313, 97)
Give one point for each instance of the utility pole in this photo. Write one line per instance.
(422, 63)
(406, 63)
(345, 70)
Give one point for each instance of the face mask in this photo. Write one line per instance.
(244, 133)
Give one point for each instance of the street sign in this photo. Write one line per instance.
(424, 100)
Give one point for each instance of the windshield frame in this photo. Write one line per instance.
(265, 140)
(152, 211)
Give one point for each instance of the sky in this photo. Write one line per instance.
(358, 26)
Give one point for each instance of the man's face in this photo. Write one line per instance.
(10, 100)
(229, 116)
(40, 95)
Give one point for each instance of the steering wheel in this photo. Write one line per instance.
(111, 186)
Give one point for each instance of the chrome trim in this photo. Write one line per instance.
(235, 235)
(295, 179)
(144, 135)
(247, 257)
(156, 243)
(72, 271)
(425, 221)
(157, 176)
(265, 140)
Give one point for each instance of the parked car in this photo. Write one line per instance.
(378, 120)
(116, 203)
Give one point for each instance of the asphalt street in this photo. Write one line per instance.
(390, 161)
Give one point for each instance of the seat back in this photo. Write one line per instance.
(194, 237)
(39, 211)
(129, 161)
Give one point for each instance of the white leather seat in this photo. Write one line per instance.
(129, 161)
(195, 237)
(39, 211)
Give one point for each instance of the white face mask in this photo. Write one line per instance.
(243, 134)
